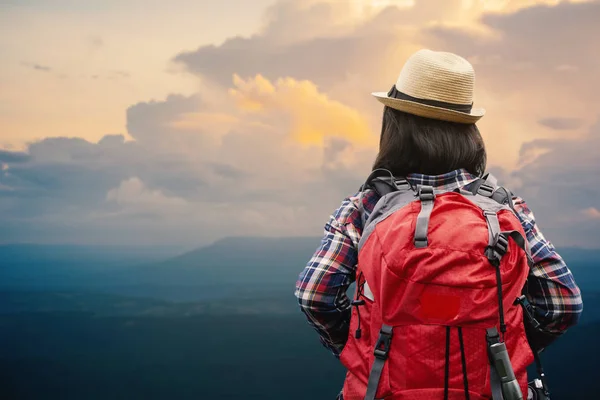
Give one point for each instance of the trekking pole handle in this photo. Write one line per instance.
(511, 390)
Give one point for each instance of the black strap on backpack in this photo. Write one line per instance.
(383, 182)
(488, 186)
(537, 336)
(503, 382)
(497, 247)
(485, 185)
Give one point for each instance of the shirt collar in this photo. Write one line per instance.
(447, 181)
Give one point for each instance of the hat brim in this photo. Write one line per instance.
(427, 111)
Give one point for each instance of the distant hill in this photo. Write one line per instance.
(252, 257)
(234, 333)
(236, 252)
(234, 261)
(27, 254)
(33, 264)
(247, 263)
(229, 267)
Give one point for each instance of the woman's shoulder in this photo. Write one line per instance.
(350, 209)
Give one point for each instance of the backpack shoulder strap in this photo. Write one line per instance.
(488, 186)
(383, 182)
(485, 186)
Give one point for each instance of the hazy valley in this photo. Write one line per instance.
(219, 322)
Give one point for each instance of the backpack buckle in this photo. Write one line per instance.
(528, 310)
(420, 243)
(492, 336)
(495, 253)
(485, 190)
(501, 245)
(493, 256)
(426, 193)
(382, 346)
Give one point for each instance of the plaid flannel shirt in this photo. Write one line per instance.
(322, 285)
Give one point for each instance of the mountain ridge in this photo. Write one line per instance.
(231, 264)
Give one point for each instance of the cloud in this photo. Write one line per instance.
(146, 120)
(525, 70)
(38, 67)
(327, 41)
(283, 127)
(528, 47)
(521, 75)
(318, 41)
(133, 192)
(313, 115)
(559, 183)
(41, 67)
(267, 171)
(13, 156)
(561, 124)
(591, 212)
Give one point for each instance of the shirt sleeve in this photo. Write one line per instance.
(551, 287)
(321, 287)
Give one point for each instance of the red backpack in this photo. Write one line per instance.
(435, 315)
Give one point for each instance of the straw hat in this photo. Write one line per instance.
(435, 85)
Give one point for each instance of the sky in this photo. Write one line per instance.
(181, 122)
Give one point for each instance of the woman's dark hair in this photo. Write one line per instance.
(413, 144)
